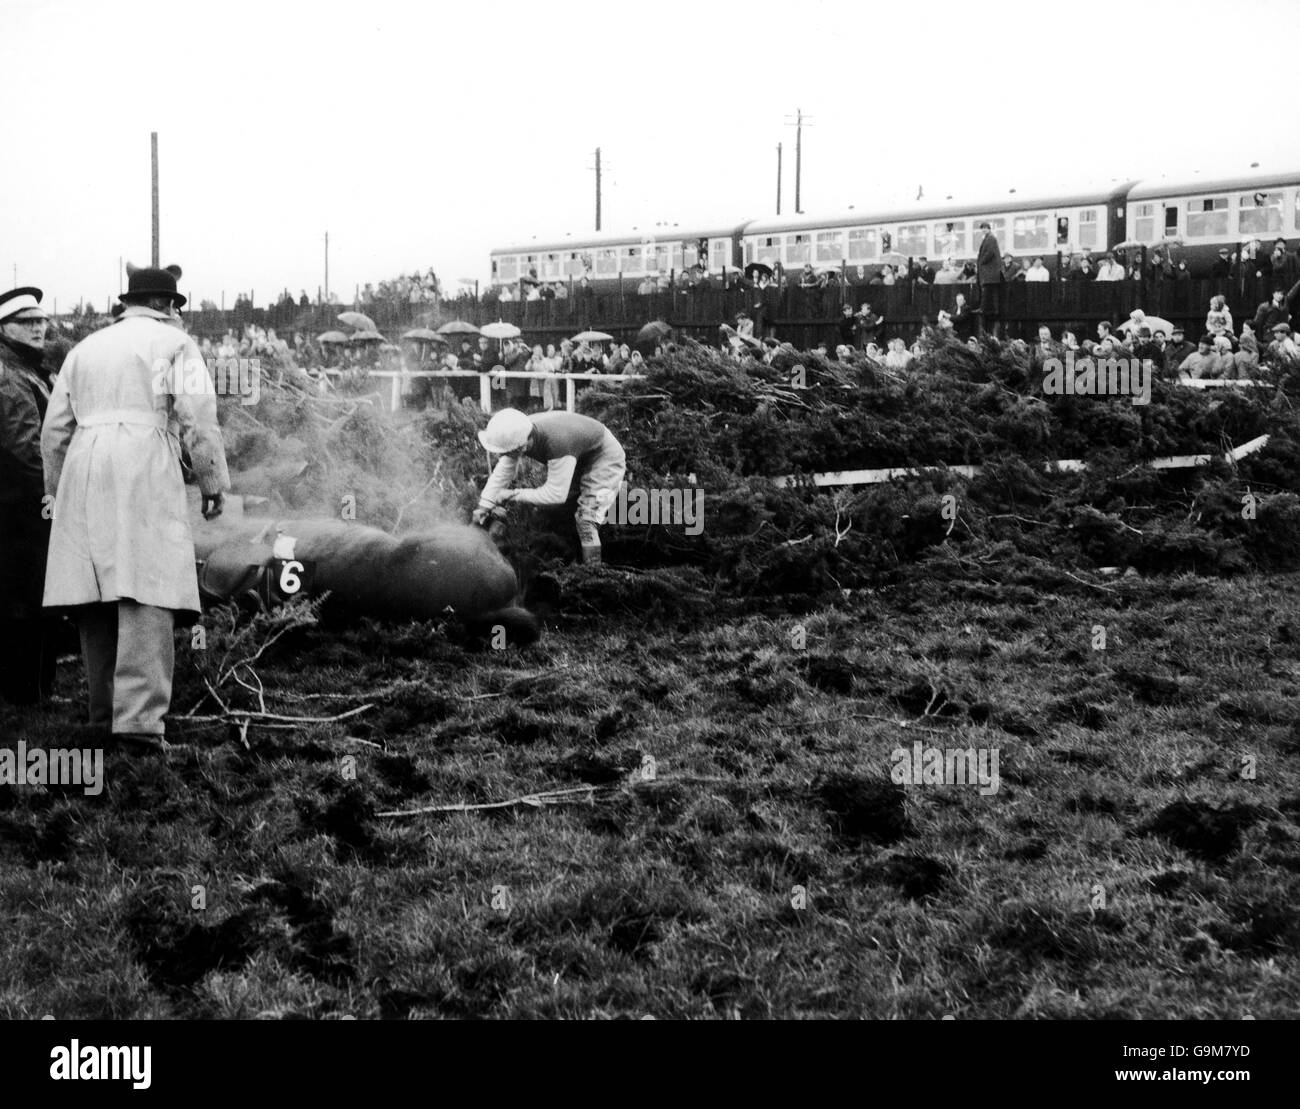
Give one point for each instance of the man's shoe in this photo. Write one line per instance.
(141, 741)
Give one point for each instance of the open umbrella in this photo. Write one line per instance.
(458, 327)
(893, 258)
(500, 330)
(653, 332)
(424, 335)
(389, 347)
(592, 337)
(371, 336)
(358, 320)
(757, 269)
(332, 337)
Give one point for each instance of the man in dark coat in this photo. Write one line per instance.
(1178, 349)
(1271, 313)
(988, 269)
(848, 326)
(27, 647)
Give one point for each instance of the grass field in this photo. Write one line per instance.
(743, 851)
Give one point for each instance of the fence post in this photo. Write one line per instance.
(570, 393)
(395, 392)
(485, 393)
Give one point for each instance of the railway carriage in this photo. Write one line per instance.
(857, 241)
(1203, 215)
(603, 258)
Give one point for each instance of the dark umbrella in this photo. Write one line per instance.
(757, 269)
(653, 332)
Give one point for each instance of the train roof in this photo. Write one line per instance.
(1009, 202)
(1196, 184)
(617, 238)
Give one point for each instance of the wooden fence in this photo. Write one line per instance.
(801, 316)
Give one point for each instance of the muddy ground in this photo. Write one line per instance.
(742, 850)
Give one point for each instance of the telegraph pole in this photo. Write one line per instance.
(778, 179)
(799, 120)
(597, 188)
(153, 145)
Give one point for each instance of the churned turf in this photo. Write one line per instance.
(743, 851)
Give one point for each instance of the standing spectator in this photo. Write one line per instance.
(867, 326)
(120, 546)
(847, 325)
(948, 274)
(924, 271)
(967, 274)
(1110, 270)
(887, 275)
(1282, 265)
(1084, 271)
(988, 268)
(27, 650)
(1182, 273)
(1222, 268)
(1038, 271)
(1012, 268)
(1271, 313)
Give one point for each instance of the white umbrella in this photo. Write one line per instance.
(500, 330)
(593, 337)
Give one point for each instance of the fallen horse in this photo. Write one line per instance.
(368, 572)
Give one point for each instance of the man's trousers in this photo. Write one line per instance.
(130, 656)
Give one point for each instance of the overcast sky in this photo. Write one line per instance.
(425, 134)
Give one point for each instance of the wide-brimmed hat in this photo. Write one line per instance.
(146, 282)
(23, 303)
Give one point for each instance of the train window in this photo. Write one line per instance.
(1207, 216)
(769, 249)
(1259, 214)
(798, 248)
(663, 257)
(573, 266)
(1062, 230)
(719, 253)
(864, 243)
(950, 238)
(607, 262)
(830, 246)
(1144, 222)
(550, 266)
(1296, 221)
(914, 240)
(1030, 233)
(509, 268)
(1088, 227)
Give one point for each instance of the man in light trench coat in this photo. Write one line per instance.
(121, 554)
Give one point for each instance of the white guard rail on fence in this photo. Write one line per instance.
(398, 377)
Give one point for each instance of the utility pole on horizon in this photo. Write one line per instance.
(778, 179)
(799, 121)
(153, 147)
